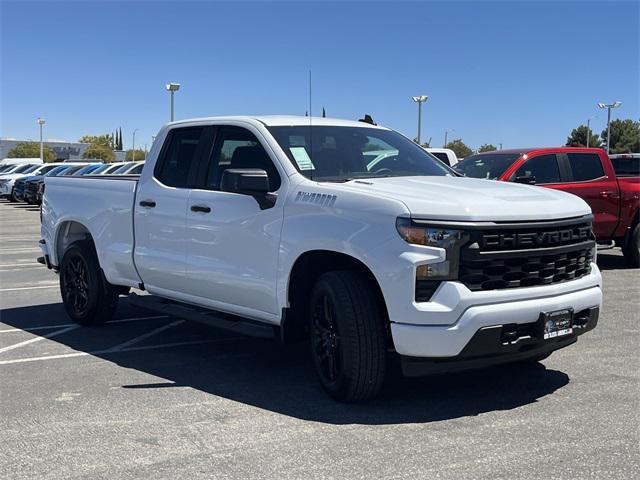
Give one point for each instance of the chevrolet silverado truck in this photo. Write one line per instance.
(611, 187)
(285, 226)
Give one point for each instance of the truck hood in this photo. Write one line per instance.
(470, 199)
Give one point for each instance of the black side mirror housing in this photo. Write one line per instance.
(528, 180)
(249, 181)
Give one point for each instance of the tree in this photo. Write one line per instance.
(104, 140)
(459, 147)
(97, 150)
(140, 155)
(578, 138)
(120, 147)
(32, 150)
(487, 147)
(625, 136)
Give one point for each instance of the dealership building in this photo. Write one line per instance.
(63, 150)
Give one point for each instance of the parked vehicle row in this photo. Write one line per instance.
(344, 233)
(610, 185)
(24, 182)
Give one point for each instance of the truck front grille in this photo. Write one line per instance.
(526, 256)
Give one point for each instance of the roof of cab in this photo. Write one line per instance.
(280, 120)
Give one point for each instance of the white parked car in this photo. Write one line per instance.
(278, 225)
(445, 155)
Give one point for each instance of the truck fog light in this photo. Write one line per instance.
(433, 270)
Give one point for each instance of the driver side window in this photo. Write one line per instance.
(236, 147)
(544, 169)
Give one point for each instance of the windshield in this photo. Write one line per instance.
(343, 153)
(23, 168)
(486, 165)
(57, 171)
(32, 168)
(626, 166)
(123, 168)
(100, 168)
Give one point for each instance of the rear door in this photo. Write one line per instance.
(589, 180)
(160, 210)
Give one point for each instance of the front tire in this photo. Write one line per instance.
(87, 296)
(631, 250)
(347, 336)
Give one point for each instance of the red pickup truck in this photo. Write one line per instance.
(610, 186)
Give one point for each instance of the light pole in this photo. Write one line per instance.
(133, 150)
(609, 106)
(420, 99)
(589, 128)
(446, 132)
(41, 122)
(172, 88)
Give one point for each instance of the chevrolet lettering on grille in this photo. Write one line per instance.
(517, 239)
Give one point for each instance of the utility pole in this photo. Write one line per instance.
(420, 99)
(609, 106)
(172, 88)
(41, 122)
(445, 137)
(133, 150)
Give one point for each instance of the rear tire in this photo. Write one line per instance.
(347, 336)
(87, 296)
(631, 250)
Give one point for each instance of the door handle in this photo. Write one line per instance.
(200, 208)
(608, 194)
(147, 203)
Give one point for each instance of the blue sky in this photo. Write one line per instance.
(518, 73)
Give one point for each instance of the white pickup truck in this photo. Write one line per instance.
(285, 225)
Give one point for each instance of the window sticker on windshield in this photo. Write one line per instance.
(301, 157)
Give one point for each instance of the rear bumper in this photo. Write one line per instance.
(501, 344)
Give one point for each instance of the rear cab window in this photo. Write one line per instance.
(585, 166)
(626, 165)
(179, 157)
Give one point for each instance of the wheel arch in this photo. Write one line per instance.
(306, 269)
(68, 232)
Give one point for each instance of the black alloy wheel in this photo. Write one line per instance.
(325, 339)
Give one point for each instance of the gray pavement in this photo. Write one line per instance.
(149, 396)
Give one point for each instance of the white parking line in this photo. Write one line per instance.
(48, 327)
(37, 339)
(29, 263)
(139, 338)
(101, 352)
(54, 285)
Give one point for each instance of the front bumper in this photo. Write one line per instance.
(500, 344)
(476, 310)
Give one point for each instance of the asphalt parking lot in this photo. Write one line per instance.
(148, 396)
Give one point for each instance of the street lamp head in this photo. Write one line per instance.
(40, 121)
(615, 104)
(420, 98)
(172, 87)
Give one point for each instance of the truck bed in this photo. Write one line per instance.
(105, 205)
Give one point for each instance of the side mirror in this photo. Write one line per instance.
(249, 181)
(526, 179)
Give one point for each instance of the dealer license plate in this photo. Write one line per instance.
(557, 323)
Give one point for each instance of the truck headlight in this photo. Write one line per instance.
(429, 276)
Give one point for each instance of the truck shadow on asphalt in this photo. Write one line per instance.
(612, 260)
(280, 379)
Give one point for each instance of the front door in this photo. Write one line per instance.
(233, 243)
